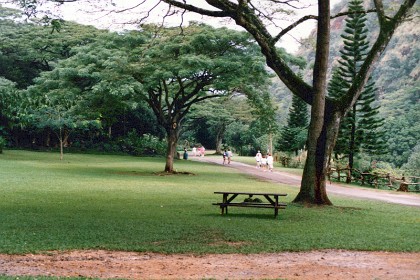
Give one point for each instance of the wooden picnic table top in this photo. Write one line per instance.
(251, 193)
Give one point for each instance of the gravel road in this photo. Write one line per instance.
(410, 199)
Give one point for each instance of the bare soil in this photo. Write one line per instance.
(328, 264)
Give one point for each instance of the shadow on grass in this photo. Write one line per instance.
(262, 216)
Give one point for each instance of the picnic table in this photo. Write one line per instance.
(272, 201)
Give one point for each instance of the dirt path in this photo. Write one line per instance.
(325, 264)
(329, 264)
(410, 199)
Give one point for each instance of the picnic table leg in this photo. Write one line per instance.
(224, 206)
(276, 209)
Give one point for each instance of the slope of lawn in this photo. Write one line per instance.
(124, 203)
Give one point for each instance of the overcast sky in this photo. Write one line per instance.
(78, 12)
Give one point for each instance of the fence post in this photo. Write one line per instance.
(338, 174)
(348, 180)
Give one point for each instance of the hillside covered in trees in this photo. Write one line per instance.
(396, 77)
(29, 49)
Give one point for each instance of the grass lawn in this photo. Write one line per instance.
(122, 203)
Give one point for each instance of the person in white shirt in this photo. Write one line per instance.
(258, 157)
(270, 162)
(264, 163)
(229, 155)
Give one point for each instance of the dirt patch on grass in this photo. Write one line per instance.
(163, 173)
(327, 264)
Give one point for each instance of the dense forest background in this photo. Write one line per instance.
(397, 78)
(31, 48)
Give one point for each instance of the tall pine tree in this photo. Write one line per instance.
(360, 129)
(293, 135)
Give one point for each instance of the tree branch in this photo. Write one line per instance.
(353, 13)
(308, 17)
(293, 25)
(195, 9)
(380, 12)
(387, 29)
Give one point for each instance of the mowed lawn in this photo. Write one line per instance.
(125, 203)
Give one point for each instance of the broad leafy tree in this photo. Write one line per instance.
(326, 113)
(256, 17)
(211, 115)
(177, 71)
(9, 105)
(53, 104)
(95, 79)
(29, 48)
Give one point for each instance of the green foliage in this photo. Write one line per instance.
(145, 144)
(360, 129)
(396, 78)
(239, 135)
(402, 136)
(213, 116)
(120, 203)
(294, 134)
(9, 102)
(412, 167)
(30, 48)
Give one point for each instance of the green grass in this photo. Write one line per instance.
(121, 203)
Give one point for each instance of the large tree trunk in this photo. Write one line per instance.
(313, 186)
(219, 138)
(218, 145)
(61, 149)
(326, 116)
(172, 137)
(352, 147)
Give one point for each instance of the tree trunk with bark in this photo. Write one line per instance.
(313, 186)
(63, 136)
(219, 138)
(326, 114)
(172, 137)
(314, 178)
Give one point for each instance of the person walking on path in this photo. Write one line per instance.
(264, 163)
(224, 157)
(229, 155)
(258, 157)
(270, 162)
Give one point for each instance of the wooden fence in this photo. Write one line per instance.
(405, 183)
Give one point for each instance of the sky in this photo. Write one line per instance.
(289, 42)
(114, 17)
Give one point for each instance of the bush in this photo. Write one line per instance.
(290, 160)
(146, 144)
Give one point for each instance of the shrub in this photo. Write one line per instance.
(290, 160)
(146, 144)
